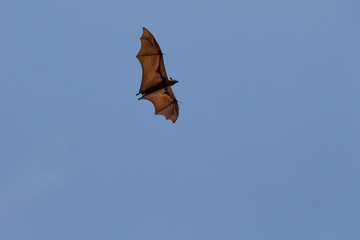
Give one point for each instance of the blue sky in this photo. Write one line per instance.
(266, 145)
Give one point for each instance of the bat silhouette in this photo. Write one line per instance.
(155, 85)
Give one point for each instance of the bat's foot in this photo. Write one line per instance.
(142, 96)
(137, 94)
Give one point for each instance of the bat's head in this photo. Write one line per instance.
(172, 81)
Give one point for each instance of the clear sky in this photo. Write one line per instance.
(267, 142)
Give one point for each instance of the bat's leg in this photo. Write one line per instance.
(137, 94)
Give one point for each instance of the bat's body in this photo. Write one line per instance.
(164, 84)
(155, 85)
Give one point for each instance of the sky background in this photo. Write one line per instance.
(266, 145)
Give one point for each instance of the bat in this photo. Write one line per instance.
(155, 85)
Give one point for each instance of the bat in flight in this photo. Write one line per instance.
(155, 85)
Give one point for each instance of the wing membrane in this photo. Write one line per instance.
(165, 103)
(151, 60)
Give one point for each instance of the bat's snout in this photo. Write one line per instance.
(172, 81)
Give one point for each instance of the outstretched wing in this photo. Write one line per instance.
(151, 60)
(165, 103)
